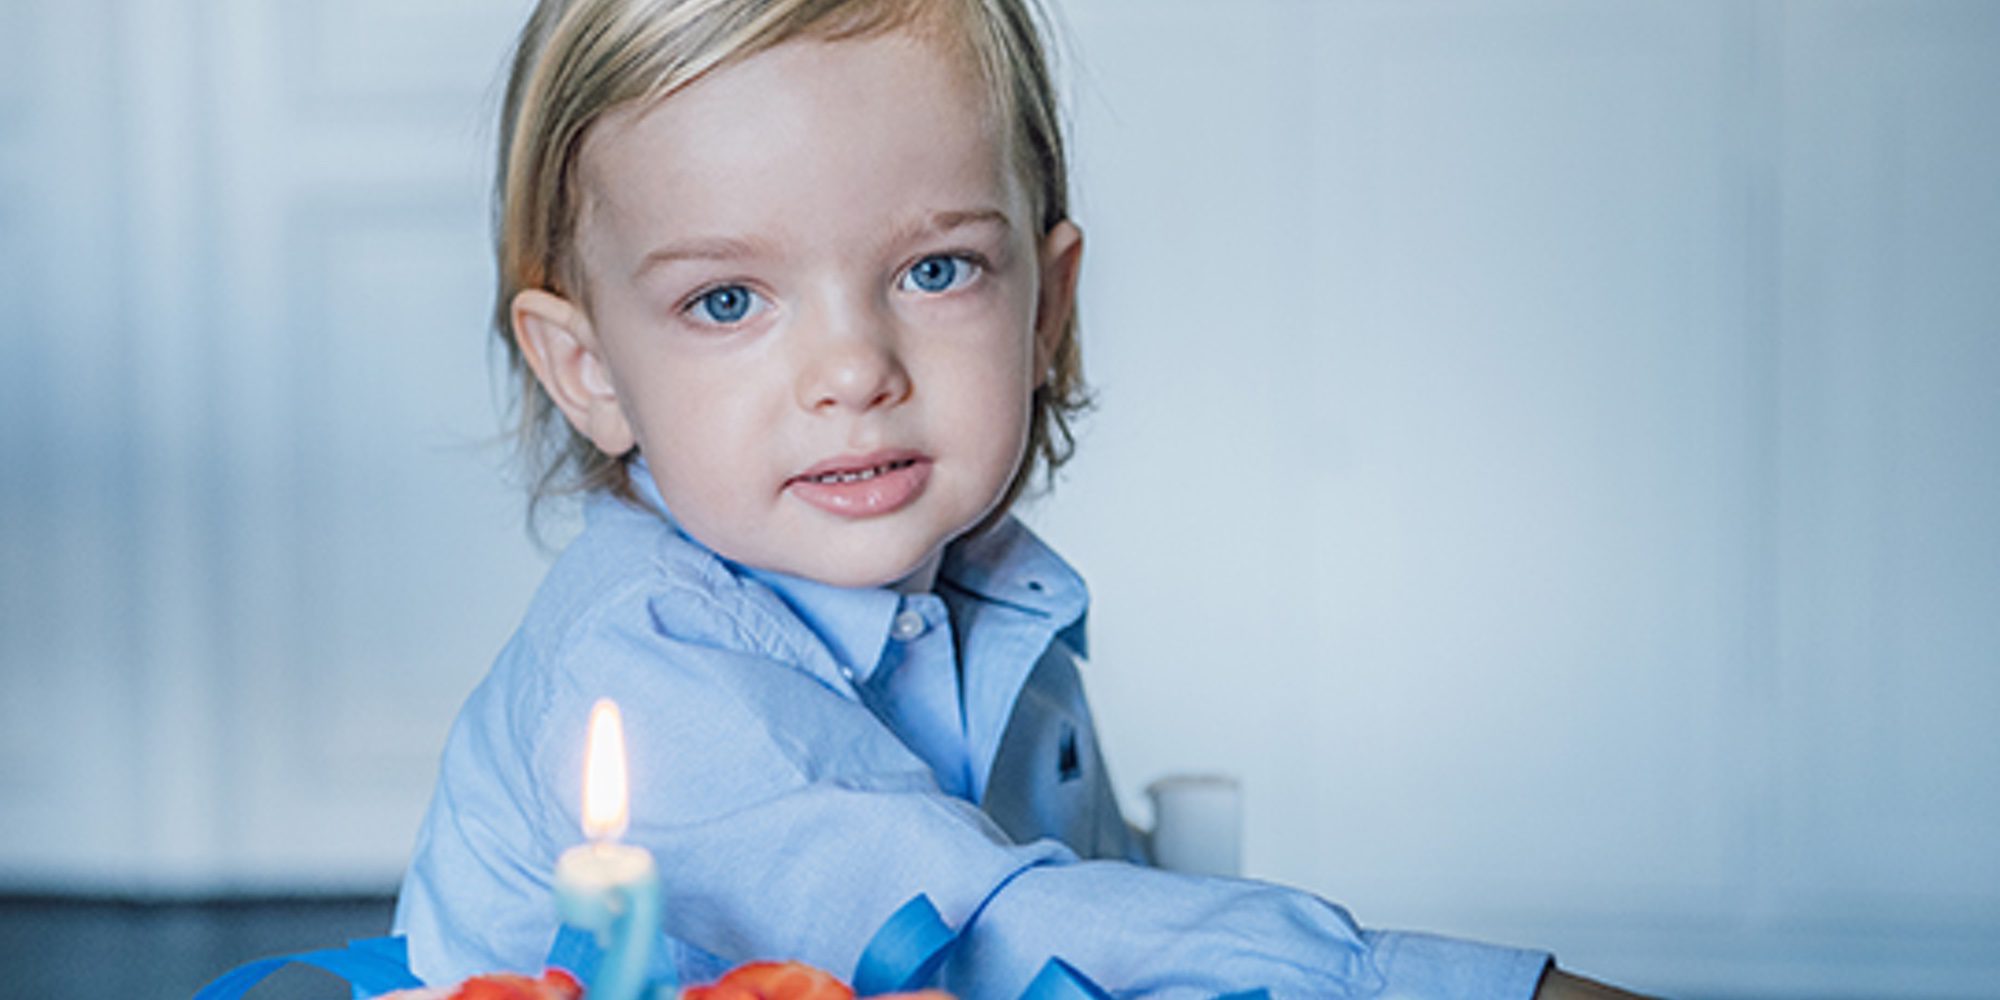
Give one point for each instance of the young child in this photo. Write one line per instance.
(789, 287)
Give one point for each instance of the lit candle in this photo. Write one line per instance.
(607, 888)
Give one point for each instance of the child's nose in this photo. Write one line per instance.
(853, 365)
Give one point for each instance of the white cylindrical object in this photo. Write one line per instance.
(1198, 824)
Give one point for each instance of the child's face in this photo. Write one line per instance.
(817, 302)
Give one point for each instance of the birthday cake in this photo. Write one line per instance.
(554, 984)
(755, 981)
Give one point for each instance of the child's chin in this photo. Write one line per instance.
(860, 578)
(872, 567)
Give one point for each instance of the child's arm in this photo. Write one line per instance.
(789, 822)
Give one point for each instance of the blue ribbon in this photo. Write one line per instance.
(904, 955)
(373, 966)
(576, 952)
(906, 952)
(1059, 980)
(910, 948)
(579, 953)
(381, 965)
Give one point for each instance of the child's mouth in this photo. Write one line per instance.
(863, 485)
(860, 475)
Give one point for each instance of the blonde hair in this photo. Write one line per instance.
(579, 59)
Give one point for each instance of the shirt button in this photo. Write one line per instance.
(847, 672)
(909, 624)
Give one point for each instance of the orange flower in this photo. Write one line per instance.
(555, 984)
(786, 981)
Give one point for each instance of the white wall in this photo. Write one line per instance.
(255, 545)
(1547, 449)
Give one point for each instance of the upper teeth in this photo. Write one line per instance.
(859, 474)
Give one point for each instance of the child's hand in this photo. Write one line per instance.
(1560, 985)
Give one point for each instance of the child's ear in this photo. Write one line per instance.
(556, 338)
(1061, 259)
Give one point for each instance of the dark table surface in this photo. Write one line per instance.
(69, 948)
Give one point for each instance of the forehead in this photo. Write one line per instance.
(802, 130)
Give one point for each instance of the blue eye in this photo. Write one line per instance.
(725, 305)
(939, 273)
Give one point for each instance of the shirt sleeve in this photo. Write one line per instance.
(789, 823)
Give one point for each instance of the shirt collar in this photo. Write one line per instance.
(640, 475)
(1006, 564)
(852, 622)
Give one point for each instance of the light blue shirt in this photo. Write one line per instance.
(806, 758)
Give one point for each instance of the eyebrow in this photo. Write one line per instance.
(938, 223)
(700, 248)
(730, 248)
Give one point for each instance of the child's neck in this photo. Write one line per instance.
(921, 579)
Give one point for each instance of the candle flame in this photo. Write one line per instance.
(605, 813)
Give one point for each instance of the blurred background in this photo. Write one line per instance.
(1549, 450)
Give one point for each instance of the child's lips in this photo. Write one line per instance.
(863, 485)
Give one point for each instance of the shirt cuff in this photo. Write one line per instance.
(1435, 968)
